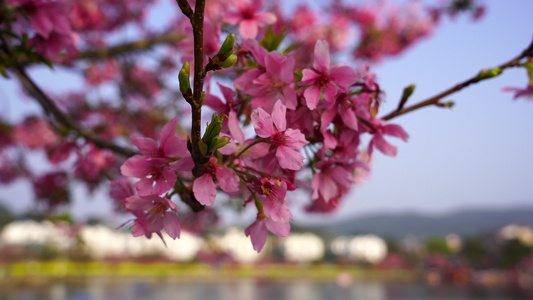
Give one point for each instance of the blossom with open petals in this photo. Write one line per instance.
(323, 77)
(204, 187)
(286, 141)
(246, 14)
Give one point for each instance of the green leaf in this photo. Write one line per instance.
(272, 41)
(219, 144)
(203, 147)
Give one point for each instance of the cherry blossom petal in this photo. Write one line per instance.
(329, 140)
(227, 92)
(147, 146)
(396, 130)
(327, 189)
(344, 76)
(120, 190)
(349, 118)
(262, 123)
(137, 203)
(258, 52)
(42, 24)
(135, 166)
(248, 29)
(144, 186)
(171, 224)
(379, 142)
(278, 228)
(170, 204)
(289, 158)
(330, 90)
(289, 97)
(184, 165)
(166, 182)
(266, 18)
(228, 180)
(309, 77)
(169, 130)
(235, 127)
(321, 61)
(312, 95)
(244, 81)
(296, 139)
(278, 116)
(326, 118)
(140, 228)
(205, 190)
(257, 232)
(215, 103)
(342, 176)
(175, 147)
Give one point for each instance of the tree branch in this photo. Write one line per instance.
(197, 22)
(140, 45)
(52, 110)
(186, 8)
(435, 99)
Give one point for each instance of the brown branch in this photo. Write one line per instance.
(186, 8)
(140, 45)
(435, 99)
(200, 161)
(52, 110)
(197, 22)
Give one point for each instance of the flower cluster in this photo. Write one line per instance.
(322, 115)
(287, 116)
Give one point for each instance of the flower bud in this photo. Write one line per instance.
(183, 77)
(227, 46)
(489, 73)
(232, 59)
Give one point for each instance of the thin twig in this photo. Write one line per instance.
(52, 110)
(435, 99)
(185, 8)
(140, 45)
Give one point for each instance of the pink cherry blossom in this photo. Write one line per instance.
(156, 216)
(526, 93)
(156, 177)
(271, 81)
(170, 146)
(246, 14)
(286, 141)
(378, 141)
(344, 107)
(156, 166)
(204, 187)
(331, 180)
(36, 133)
(257, 231)
(322, 77)
(272, 194)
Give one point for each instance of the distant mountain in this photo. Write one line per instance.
(466, 222)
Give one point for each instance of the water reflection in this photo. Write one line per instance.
(245, 289)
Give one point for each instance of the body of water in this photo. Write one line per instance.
(245, 289)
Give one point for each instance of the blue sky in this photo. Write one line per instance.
(476, 155)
